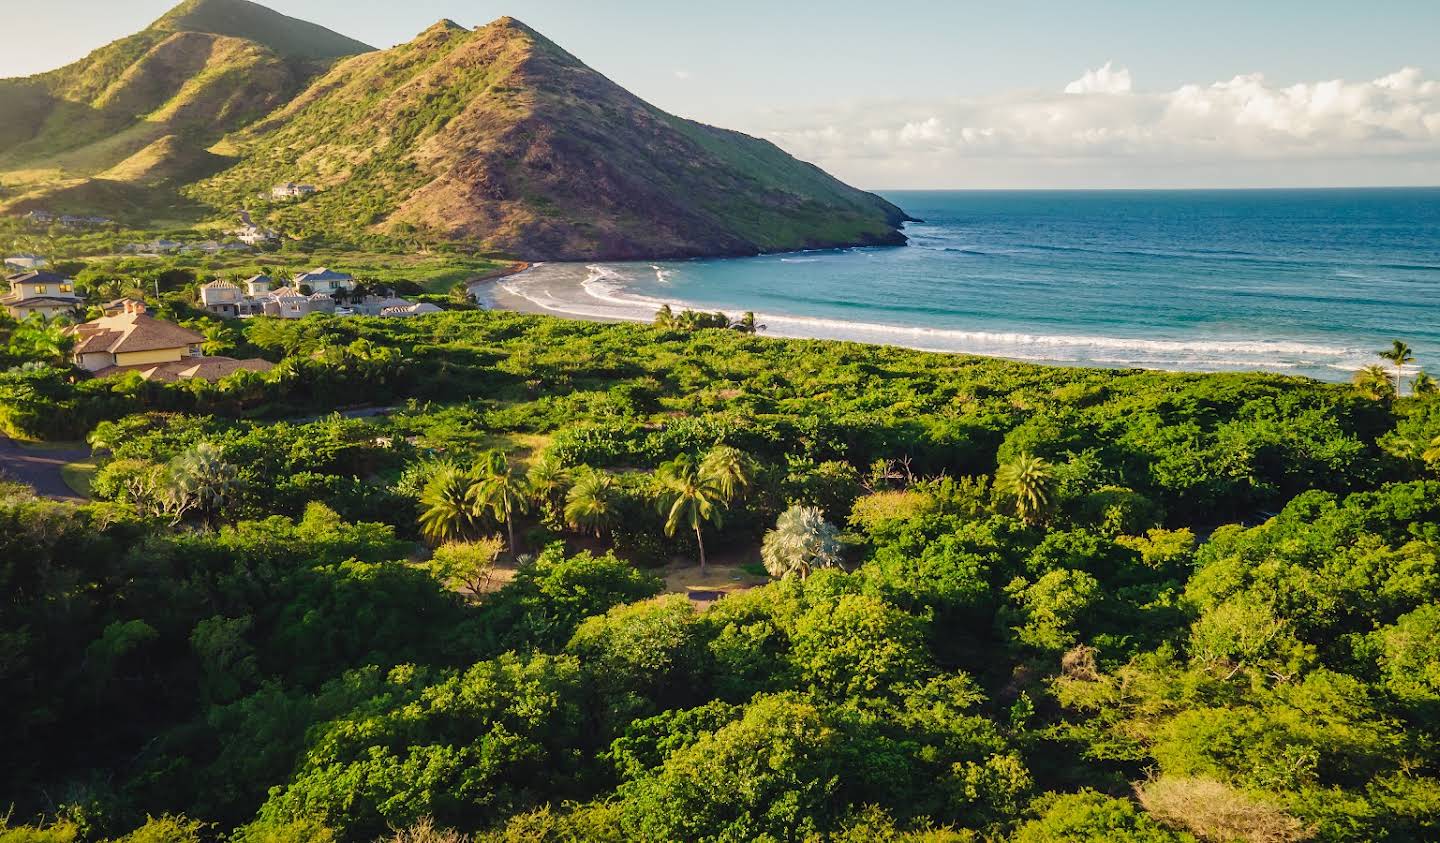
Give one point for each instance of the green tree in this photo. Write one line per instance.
(1424, 384)
(593, 503)
(690, 497)
(1401, 355)
(730, 469)
(1030, 482)
(466, 566)
(503, 490)
(1374, 383)
(449, 514)
(801, 542)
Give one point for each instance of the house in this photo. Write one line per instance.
(258, 285)
(44, 293)
(40, 217)
(323, 280)
(25, 262)
(373, 305)
(221, 298)
(288, 303)
(411, 309)
(322, 303)
(252, 235)
(134, 341)
(132, 337)
(291, 190)
(110, 308)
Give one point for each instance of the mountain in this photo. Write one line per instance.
(499, 138)
(139, 113)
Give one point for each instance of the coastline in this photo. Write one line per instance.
(602, 292)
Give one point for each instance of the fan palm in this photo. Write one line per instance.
(690, 497)
(1374, 383)
(731, 470)
(1401, 355)
(801, 542)
(1424, 384)
(1030, 481)
(593, 503)
(503, 490)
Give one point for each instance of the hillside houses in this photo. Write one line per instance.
(25, 262)
(315, 291)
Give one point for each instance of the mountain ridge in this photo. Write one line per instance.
(495, 138)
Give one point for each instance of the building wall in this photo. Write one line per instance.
(47, 311)
(161, 355)
(94, 362)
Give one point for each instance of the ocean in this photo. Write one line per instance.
(1306, 282)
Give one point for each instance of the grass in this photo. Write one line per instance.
(79, 475)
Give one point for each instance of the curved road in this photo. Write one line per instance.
(40, 468)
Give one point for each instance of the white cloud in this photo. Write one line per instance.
(1105, 80)
(682, 75)
(1102, 131)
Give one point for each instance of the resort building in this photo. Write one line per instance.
(45, 293)
(134, 341)
(409, 309)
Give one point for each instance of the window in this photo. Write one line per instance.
(66, 288)
(40, 289)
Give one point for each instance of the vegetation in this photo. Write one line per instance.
(1008, 601)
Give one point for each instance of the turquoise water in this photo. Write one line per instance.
(1308, 282)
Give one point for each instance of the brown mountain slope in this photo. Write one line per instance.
(498, 137)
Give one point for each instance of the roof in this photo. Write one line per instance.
(220, 284)
(254, 278)
(286, 293)
(322, 274)
(205, 368)
(320, 297)
(130, 332)
(40, 301)
(39, 277)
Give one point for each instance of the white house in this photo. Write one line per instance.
(291, 190)
(44, 293)
(222, 298)
(323, 280)
(257, 286)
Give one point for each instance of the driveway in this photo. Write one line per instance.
(40, 468)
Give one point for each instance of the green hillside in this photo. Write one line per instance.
(499, 137)
(163, 94)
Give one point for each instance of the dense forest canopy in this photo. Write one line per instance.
(1005, 601)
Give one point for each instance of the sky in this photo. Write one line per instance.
(962, 94)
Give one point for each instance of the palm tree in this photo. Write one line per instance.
(593, 502)
(1030, 481)
(689, 496)
(200, 478)
(448, 514)
(1424, 384)
(1374, 383)
(549, 478)
(665, 317)
(1400, 354)
(801, 542)
(503, 490)
(731, 470)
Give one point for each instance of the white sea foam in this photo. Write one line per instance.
(604, 292)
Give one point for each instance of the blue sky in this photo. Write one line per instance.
(955, 94)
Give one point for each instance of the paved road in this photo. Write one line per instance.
(39, 468)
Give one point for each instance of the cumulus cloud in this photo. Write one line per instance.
(1100, 124)
(1105, 80)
